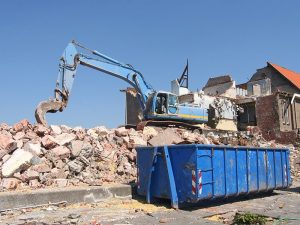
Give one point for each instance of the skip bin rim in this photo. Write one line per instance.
(213, 146)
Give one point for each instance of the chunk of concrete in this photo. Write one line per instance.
(65, 128)
(19, 135)
(3, 153)
(10, 183)
(62, 152)
(121, 132)
(41, 168)
(60, 182)
(101, 130)
(76, 147)
(4, 126)
(31, 175)
(75, 166)
(5, 158)
(107, 155)
(166, 137)
(34, 148)
(136, 141)
(7, 143)
(149, 132)
(118, 140)
(19, 143)
(30, 134)
(48, 142)
(59, 173)
(64, 138)
(34, 183)
(40, 130)
(92, 133)
(55, 129)
(22, 125)
(19, 160)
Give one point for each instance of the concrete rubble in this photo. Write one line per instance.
(33, 156)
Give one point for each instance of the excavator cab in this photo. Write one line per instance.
(166, 103)
(164, 106)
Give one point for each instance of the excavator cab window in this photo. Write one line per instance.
(172, 103)
(161, 103)
(172, 100)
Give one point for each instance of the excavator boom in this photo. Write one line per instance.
(69, 61)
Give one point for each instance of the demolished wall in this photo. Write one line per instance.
(133, 112)
(269, 120)
(277, 81)
(222, 111)
(222, 86)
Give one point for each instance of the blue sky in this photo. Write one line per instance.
(156, 37)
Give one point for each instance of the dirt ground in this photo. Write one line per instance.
(281, 207)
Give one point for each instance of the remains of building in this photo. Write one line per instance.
(272, 103)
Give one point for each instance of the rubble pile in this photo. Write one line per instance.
(34, 156)
(295, 160)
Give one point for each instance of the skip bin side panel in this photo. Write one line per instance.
(285, 166)
(253, 179)
(242, 171)
(278, 169)
(183, 160)
(142, 167)
(231, 172)
(159, 181)
(219, 177)
(271, 170)
(288, 168)
(204, 173)
(262, 169)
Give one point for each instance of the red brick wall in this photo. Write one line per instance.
(269, 122)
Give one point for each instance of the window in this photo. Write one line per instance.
(172, 100)
(161, 103)
(285, 115)
(256, 89)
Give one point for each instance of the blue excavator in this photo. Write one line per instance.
(157, 106)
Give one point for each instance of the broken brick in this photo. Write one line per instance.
(62, 152)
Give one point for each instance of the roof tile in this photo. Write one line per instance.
(292, 76)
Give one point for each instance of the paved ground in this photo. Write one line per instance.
(284, 204)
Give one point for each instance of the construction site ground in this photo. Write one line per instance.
(281, 207)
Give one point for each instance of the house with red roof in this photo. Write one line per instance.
(272, 102)
(273, 78)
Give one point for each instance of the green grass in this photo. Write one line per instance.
(249, 219)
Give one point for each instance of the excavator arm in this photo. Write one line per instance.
(69, 61)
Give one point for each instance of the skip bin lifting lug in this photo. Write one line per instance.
(172, 185)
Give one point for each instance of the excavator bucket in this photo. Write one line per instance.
(44, 107)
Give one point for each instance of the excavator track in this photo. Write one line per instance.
(168, 123)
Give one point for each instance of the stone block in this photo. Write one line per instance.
(19, 160)
(61, 152)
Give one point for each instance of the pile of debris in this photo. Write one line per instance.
(34, 156)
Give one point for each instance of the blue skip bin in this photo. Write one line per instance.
(191, 173)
